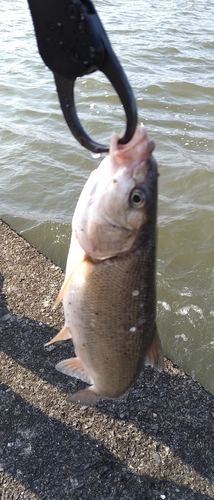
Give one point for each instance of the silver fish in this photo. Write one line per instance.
(109, 292)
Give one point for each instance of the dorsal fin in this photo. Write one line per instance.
(154, 356)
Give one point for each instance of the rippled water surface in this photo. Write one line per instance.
(166, 49)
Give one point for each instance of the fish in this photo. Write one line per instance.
(109, 291)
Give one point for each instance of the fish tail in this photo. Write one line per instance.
(87, 397)
(64, 334)
(154, 356)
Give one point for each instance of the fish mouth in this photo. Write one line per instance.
(135, 151)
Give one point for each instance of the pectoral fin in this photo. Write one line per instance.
(74, 368)
(154, 356)
(64, 334)
(75, 257)
(65, 286)
(87, 397)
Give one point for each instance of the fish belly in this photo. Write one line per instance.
(110, 310)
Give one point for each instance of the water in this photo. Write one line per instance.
(166, 49)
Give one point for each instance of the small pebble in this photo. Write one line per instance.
(156, 457)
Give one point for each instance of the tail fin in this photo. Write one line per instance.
(87, 397)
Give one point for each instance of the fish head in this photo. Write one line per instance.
(119, 200)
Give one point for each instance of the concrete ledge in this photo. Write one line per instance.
(157, 443)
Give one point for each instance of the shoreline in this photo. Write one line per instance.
(156, 443)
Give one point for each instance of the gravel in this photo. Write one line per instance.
(155, 443)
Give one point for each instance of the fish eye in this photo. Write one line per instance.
(138, 198)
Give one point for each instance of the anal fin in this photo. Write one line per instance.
(154, 356)
(74, 368)
(87, 397)
(64, 334)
